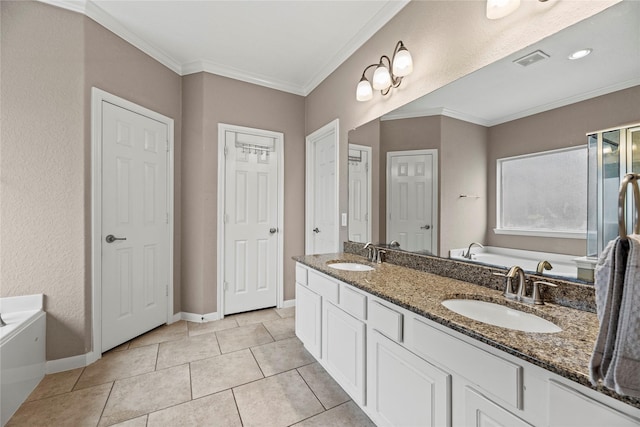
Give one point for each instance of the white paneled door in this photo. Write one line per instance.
(135, 217)
(250, 221)
(359, 193)
(412, 195)
(322, 234)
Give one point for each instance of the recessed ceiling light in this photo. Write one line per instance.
(580, 53)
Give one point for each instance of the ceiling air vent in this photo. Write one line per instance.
(531, 58)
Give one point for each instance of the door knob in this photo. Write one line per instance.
(426, 227)
(273, 230)
(316, 230)
(111, 238)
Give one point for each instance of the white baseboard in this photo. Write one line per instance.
(69, 363)
(82, 360)
(199, 318)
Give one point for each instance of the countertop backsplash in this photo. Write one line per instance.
(576, 295)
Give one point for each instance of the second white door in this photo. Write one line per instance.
(251, 221)
(321, 216)
(412, 195)
(135, 230)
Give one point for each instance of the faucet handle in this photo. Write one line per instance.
(381, 256)
(537, 299)
(508, 289)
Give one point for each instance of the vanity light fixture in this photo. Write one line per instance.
(580, 54)
(497, 9)
(388, 73)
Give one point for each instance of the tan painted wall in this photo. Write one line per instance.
(446, 42)
(463, 170)
(462, 151)
(233, 102)
(43, 239)
(562, 127)
(50, 59)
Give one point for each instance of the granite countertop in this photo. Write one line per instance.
(566, 353)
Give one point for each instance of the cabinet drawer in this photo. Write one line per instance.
(301, 274)
(324, 286)
(495, 375)
(386, 321)
(353, 302)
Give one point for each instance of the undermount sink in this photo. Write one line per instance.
(500, 315)
(350, 266)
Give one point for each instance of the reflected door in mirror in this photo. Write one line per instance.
(359, 193)
(411, 195)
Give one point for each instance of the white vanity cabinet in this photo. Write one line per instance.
(309, 319)
(570, 408)
(343, 350)
(482, 412)
(308, 314)
(403, 389)
(406, 370)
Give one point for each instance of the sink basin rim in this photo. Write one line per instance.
(500, 315)
(350, 266)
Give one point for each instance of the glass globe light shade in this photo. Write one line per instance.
(364, 92)
(402, 63)
(497, 9)
(381, 78)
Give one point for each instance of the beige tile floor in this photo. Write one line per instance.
(248, 369)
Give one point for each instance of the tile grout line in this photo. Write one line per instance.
(257, 363)
(105, 402)
(235, 402)
(310, 388)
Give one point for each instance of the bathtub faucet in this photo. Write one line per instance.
(542, 266)
(2, 321)
(468, 254)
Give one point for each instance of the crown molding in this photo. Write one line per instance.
(78, 6)
(233, 73)
(566, 101)
(97, 14)
(439, 111)
(379, 20)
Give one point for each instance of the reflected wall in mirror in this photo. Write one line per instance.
(506, 110)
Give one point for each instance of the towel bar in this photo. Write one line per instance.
(630, 178)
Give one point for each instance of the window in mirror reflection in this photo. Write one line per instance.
(543, 194)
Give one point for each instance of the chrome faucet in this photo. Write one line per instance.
(521, 293)
(394, 244)
(373, 252)
(468, 254)
(543, 265)
(514, 272)
(2, 321)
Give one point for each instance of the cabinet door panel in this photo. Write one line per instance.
(309, 319)
(343, 349)
(403, 389)
(481, 412)
(568, 408)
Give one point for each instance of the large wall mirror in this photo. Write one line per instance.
(537, 100)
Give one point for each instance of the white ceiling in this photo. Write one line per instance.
(505, 91)
(287, 45)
